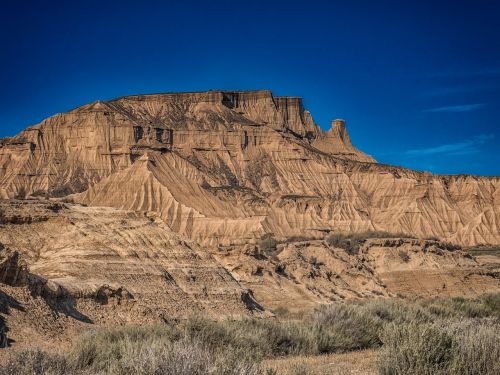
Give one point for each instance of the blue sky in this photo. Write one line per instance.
(418, 83)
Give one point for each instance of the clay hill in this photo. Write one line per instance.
(154, 207)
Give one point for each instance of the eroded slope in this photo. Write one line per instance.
(228, 167)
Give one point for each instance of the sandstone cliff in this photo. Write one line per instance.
(227, 167)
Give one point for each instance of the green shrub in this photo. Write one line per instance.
(99, 349)
(292, 239)
(432, 238)
(493, 250)
(403, 255)
(492, 302)
(449, 246)
(257, 338)
(334, 328)
(342, 241)
(161, 349)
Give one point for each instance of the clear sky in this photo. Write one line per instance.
(418, 82)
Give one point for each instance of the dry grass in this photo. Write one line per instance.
(357, 362)
(437, 336)
(441, 348)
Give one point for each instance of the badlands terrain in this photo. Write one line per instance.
(152, 208)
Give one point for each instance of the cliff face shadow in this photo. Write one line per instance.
(60, 303)
(249, 300)
(63, 302)
(6, 304)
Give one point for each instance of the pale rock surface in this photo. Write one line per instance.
(85, 252)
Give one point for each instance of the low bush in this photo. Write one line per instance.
(349, 326)
(468, 348)
(432, 238)
(476, 348)
(403, 255)
(99, 350)
(436, 336)
(137, 350)
(459, 307)
(292, 239)
(492, 302)
(418, 349)
(493, 250)
(394, 311)
(30, 362)
(259, 339)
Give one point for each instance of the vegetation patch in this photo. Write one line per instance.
(431, 336)
(441, 348)
(351, 242)
(484, 250)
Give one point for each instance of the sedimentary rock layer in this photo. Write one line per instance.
(110, 256)
(226, 167)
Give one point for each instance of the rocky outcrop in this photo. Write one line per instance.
(227, 167)
(336, 142)
(301, 274)
(109, 257)
(426, 268)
